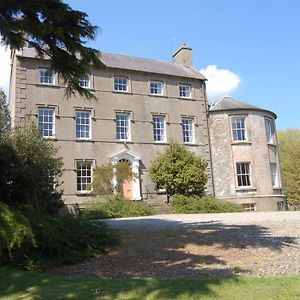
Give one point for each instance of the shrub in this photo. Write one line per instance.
(179, 171)
(15, 230)
(195, 205)
(117, 207)
(37, 241)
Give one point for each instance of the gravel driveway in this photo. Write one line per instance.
(200, 246)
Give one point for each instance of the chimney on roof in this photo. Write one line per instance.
(183, 55)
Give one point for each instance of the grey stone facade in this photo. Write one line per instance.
(182, 97)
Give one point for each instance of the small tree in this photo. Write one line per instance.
(179, 171)
(108, 178)
(289, 150)
(4, 113)
(31, 170)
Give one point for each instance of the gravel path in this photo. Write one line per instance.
(200, 246)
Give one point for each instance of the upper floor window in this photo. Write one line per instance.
(159, 128)
(184, 91)
(84, 81)
(83, 125)
(122, 126)
(274, 174)
(188, 130)
(84, 171)
(238, 128)
(121, 84)
(243, 174)
(46, 76)
(269, 130)
(156, 88)
(46, 121)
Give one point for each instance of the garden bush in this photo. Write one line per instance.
(117, 207)
(15, 231)
(37, 241)
(195, 205)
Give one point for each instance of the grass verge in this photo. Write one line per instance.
(16, 284)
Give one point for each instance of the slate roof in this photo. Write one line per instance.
(228, 103)
(125, 62)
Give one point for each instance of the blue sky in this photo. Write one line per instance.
(247, 49)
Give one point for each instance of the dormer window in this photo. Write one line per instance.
(46, 76)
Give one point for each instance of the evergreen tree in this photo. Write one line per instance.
(4, 113)
(56, 31)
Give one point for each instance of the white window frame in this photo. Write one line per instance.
(119, 83)
(191, 130)
(239, 132)
(159, 131)
(269, 130)
(120, 125)
(185, 91)
(249, 206)
(82, 125)
(45, 122)
(243, 175)
(42, 74)
(156, 88)
(82, 180)
(274, 174)
(84, 81)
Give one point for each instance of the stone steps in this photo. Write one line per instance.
(159, 206)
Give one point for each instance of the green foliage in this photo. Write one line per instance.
(179, 171)
(31, 170)
(4, 113)
(289, 150)
(107, 179)
(117, 207)
(15, 230)
(55, 30)
(37, 240)
(199, 205)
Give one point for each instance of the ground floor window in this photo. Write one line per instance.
(280, 205)
(84, 172)
(249, 206)
(243, 174)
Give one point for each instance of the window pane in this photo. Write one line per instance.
(122, 126)
(187, 130)
(46, 121)
(83, 124)
(84, 176)
(184, 91)
(243, 174)
(238, 129)
(120, 84)
(158, 128)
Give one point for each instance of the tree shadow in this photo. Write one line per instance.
(171, 249)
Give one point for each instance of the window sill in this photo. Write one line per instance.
(122, 92)
(124, 141)
(246, 189)
(272, 144)
(277, 188)
(241, 143)
(190, 144)
(85, 141)
(48, 85)
(52, 138)
(158, 95)
(160, 142)
(84, 193)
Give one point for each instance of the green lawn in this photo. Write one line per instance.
(15, 284)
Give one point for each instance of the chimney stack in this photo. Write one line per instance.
(183, 55)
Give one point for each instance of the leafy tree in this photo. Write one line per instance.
(108, 179)
(4, 113)
(30, 170)
(55, 30)
(179, 171)
(289, 150)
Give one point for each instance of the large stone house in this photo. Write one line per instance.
(143, 105)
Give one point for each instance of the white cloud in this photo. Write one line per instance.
(4, 68)
(220, 81)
